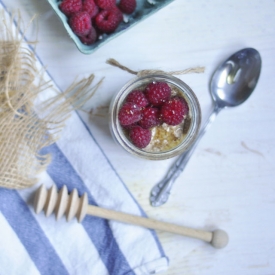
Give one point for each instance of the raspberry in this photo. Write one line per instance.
(106, 4)
(108, 20)
(80, 23)
(158, 92)
(68, 7)
(173, 110)
(150, 118)
(127, 6)
(129, 127)
(90, 7)
(140, 137)
(129, 113)
(90, 38)
(137, 97)
(185, 105)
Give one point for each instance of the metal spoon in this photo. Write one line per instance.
(232, 83)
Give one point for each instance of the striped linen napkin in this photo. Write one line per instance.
(33, 244)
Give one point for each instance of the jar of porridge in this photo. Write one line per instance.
(155, 116)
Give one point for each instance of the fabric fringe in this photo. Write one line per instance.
(26, 125)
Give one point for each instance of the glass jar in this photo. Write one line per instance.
(186, 92)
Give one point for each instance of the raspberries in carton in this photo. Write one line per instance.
(90, 18)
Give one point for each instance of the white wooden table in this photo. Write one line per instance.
(229, 182)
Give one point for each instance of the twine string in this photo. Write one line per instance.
(115, 63)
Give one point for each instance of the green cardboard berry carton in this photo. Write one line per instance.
(143, 9)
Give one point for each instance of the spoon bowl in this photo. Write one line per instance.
(235, 79)
(231, 84)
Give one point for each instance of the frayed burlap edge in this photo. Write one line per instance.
(26, 124)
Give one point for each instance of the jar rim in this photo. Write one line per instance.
(194, 107)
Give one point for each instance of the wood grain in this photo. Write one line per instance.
(232, 189)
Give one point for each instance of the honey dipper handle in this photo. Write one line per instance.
(73, 206)
(217, 238)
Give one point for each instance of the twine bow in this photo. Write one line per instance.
(115, 63)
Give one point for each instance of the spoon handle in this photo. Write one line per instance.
(160, 192)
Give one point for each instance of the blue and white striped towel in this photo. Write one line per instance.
(33, 244)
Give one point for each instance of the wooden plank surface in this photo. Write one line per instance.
(229, 181)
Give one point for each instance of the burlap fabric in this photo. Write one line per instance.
(26, 123)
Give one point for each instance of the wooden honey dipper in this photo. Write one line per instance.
(74, 206)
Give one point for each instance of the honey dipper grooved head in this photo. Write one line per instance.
(40, 199)
(61, 203)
